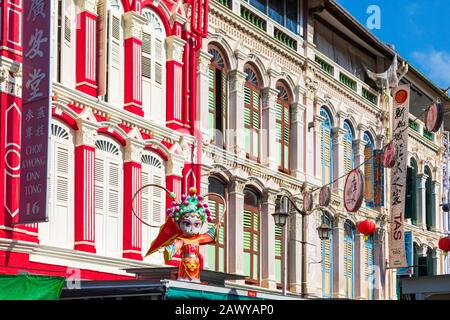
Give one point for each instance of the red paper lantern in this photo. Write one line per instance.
(444, 244)
(367, 228)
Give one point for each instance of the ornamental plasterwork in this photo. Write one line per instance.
(237, 80)
(133, 25)
(10, 77)
(133, 151)
(260, 41)
(175, 48)
(204, 61)
(85, 135)
(88, 5)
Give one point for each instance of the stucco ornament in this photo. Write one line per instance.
(184, 231)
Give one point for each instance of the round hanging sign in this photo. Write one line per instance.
(324, 196)
(390, 155)
(354, 190)
(401, 96)
(307, 201)
(434, 117)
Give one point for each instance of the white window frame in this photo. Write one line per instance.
(107, 242)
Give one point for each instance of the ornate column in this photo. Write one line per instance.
(86, 47)
(133, 62)
(338, 158)
(268, 128)
(338, 257)
(236, 225)
(85, 188)
(132, 177)
(421, 200)
(294, 271)
(309, 134)
(174, 68)
(318, 119)
(360, 272)
(436, 218)
(203, 62)
(235, 133)
(298, 135)
(268, 279)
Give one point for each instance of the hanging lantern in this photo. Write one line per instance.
(444, 244)
(367, 228)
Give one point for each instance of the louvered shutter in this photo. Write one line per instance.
(114, 89)
(158, 61)
(348, 265)
(286, 136)
(279, 133)
(112, 223)
(278, 253)
(326, 154)
(247, 242)
(211, 250)
(255, 132)
(145, 198)
(247, 118)
(211, 101)
(146, 56)
(99, 204)
(67, 29)
(348, 156)
(326, 268)
(157, 200)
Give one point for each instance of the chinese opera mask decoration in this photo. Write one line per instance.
(185, 230)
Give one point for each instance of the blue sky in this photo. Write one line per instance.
(419, 29)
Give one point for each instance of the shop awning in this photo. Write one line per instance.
(30, 287)
(181, 293)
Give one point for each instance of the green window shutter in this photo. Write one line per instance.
(247, 234)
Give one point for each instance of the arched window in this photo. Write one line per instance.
(369, 181)
(115, 55)
(327, 260)
(58, 231)
(108, 197)
(283, 128)
(369, 267)
(327, 147)
(153, 202)
(251, 235)
(411, 192)
(217, 253)
(154, 67)
(217, 96)
(348, 148)
(64, 49)
(252, 113)
(429, 199)
(349, 253)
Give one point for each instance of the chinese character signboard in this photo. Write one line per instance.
(400, 116)
(36, 106)
(409, 270)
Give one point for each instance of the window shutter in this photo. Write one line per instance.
(146, 43)
(62, 175)
(347, 155)
(145, 198)
(157, 200)
(114, 87)
(67, 29)
(158, 62)
(113, 190)
(146, 67)
(116, 28)
(368, 176)
(326, 155)
(247, 234)
(99, 184)
(279, 132)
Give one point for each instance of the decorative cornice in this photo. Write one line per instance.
(175, 48)
(133, 25)
(87, 5)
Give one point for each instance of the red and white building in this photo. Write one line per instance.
(124, 96)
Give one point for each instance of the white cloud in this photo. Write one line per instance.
(435, 65)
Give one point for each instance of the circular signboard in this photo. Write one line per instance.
(401, 96)
(434, 117)
(390, 155)
(324, 196)
(354, 190)
(307, 201)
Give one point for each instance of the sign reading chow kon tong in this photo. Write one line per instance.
(36, 107)
(397, 258)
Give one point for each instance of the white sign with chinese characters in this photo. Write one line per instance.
(400, 123)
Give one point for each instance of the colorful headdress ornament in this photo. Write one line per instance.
(190, 205)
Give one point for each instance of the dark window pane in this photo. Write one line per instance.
(276, 10)
(260, 5)
(292, 15)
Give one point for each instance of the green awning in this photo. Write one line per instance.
(30, 287)
(181, 293)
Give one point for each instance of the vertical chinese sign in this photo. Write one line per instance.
(378, 200)
(400, 124)
(36, 111)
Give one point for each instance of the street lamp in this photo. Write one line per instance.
(280, 217)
